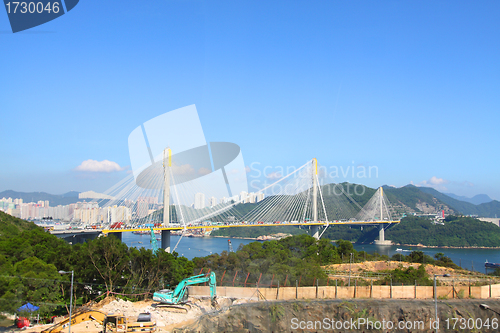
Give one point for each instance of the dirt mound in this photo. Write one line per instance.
(165, 319)
(103, 302)
(380, 266)
(365, 270)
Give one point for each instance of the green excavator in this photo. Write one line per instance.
(178, 298)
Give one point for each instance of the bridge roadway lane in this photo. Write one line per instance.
(71, 232)
(81, 235)
(178, 227)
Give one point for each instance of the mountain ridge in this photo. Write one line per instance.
(406, 199)
(54, 199)
(475, 200)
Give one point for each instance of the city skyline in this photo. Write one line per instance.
(403, 87)
(244, 197)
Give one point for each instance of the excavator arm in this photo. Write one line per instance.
(179, 294)
(76, 319)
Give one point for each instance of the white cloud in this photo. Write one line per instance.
(435, 182)
(204, 171)
(96, 166)
(184, 170)
(274, 175)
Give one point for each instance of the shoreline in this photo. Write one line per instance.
(394, 244)
(449, 247)
(250, 238)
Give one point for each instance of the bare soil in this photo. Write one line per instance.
(360, 270)
(166, 320)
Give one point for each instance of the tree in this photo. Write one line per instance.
(36, 282)
(110, 258)
(345, 247)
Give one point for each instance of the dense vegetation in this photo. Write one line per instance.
(254, 232)
(31, 258)
(419, 257)
(456, 231)
(408, 276)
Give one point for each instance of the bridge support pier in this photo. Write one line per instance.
(315, 228)
(165, 234)
(315, 231)
(165, 240)
(381, 236)
(117, 235)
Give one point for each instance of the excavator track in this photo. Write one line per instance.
(176, 308)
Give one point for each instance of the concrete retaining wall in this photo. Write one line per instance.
(380, 292)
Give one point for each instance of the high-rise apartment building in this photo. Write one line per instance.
(142, 208)
(199, 200)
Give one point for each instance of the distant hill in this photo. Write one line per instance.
(70, 194)
(461, 206)
(410, 198)
(475, 200)
(54, 200)
(489, 209)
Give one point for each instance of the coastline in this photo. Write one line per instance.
(250, 238)
(394, 244)
(449, 247)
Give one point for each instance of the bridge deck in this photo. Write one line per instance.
(250, 225)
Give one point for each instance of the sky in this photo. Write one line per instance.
(407, 88)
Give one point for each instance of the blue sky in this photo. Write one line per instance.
(410, 87)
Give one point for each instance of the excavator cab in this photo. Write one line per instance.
(115, 323)
(178, 298)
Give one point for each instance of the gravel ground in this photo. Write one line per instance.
(166, 320)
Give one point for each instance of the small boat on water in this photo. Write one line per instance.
(399, 250)
(491, 264)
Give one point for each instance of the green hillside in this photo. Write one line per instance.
(12, 226)
(457, 231)
(489, 209)
(461, 206)
(411, 196)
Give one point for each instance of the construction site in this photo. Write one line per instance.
(198, 305)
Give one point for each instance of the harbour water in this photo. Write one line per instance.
(471, 259)
(189, 247)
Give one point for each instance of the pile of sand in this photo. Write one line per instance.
(166, 320)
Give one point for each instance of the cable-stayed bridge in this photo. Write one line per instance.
(296, 199)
